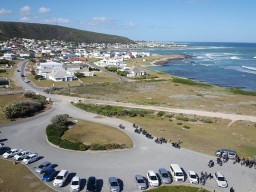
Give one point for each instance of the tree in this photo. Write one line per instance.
(60, 120)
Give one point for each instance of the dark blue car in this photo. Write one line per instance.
(49, 174)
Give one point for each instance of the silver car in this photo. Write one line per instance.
(113, 184)
(43, 167)
(140, 182)
(164, 176)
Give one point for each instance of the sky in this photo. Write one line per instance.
(150, 20)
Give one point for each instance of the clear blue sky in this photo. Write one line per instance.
(159, 20)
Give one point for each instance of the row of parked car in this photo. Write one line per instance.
(25, 157)
(175, 174)
(142, 183)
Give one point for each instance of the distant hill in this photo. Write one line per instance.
(43, 32)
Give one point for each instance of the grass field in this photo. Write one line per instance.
(203, 137)
(167, 93)
(19, 179)
(99, 77)
(177, 189)
(93, 133)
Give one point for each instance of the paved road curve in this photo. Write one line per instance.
(144, 156)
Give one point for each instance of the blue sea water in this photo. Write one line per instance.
(223, 64)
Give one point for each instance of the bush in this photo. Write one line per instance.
(38, 77)
(79, 75)
(160, 114)
(69, 145)
(189, 82)
(207, 120)
(2, 70)
(179, 123)
(23, 109)
(60, 120)
(186, 127)
(54, 140)
(182, 118)
(55, 130)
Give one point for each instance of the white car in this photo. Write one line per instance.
(152, 179)
(30, 158)
(21, 155)
(193, 177)
(11, 153)
(60, 178)
(75, 184)
(220, 179)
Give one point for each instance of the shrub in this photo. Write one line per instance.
(23, 109)
(182, 118)
(66, 144)
(55, 130)
(179, 123)
(79, 75)
(207, 120)
(186, 127)
(38, 77)
(54, 139)
(60, 120)
(160, 113)
(2, 70)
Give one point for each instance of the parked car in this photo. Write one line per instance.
(49, 174)
(140, 182)
(11, 153)
(152, 179)
(177, 173)
(113, 184)
(60, 178)
(43, 167)
(91, 184)
(230, 153)
(193, 177)
(30, 158)
(220, 179)
(21, 155)
(75, 184)
(164, 176)
(1, 145)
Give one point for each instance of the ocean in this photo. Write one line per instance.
(223, 64)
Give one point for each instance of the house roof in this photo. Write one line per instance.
(60, 74)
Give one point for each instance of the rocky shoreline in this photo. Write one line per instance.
(169, 58)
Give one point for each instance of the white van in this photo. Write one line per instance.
(176, 172)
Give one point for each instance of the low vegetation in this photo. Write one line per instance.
(26, 108)
(201, 134)
(242, 92)
(18, 178)
(189, 82)
(59, 134)
(178, 189)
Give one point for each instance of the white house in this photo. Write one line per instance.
(110, 62)
(135, 72)
(61, 75)
(49, 65)
(9, 56)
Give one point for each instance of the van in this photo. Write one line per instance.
(176, 172)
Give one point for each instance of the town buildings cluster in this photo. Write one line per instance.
(60, 61)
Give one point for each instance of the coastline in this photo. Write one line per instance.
(169, 58)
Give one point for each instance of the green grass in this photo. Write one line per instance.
(18, 178)
(189, 82)
(242, 92)
(99, 77)
(177, 189)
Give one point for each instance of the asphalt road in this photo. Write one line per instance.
(145, 155)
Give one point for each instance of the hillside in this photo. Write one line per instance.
(43, 32)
